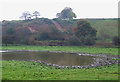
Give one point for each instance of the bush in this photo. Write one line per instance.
(10, 31)
(116, 40)
(45, 36)
(85, 32)
(73, 40)
(89, 40)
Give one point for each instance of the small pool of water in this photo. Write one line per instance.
(68, 59)
(2, 51)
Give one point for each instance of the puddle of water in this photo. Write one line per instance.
(2, 51)
(68, 59)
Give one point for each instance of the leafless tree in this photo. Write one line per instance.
(36, 14)
(26, 15)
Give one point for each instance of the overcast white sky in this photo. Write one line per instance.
(12, 9)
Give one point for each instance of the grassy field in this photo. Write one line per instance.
(91, 50)
(23, 70)
(107, 27)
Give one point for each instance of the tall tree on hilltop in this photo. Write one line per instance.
(36, 14)
(66, 13)
(26, 15)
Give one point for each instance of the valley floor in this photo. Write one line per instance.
(24, 70)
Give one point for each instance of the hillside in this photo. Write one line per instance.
(41, 29)
(25, 31)
(106, 28)
(58, 26)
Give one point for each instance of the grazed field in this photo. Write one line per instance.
(91, 50)
(23, 70)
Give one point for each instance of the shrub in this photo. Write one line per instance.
(10, 31)
(89, 40)
(73, 40)
(116, 40)
(85, 32)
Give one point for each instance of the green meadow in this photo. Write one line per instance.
(24, 70)
(91, 50)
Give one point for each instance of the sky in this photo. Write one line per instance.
(13, 9)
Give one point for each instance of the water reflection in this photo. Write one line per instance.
(68, 59)
(2, 51)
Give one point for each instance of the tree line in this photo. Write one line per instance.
(82, 34)
(27, 16)
(66, 13)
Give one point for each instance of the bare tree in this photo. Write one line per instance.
(26, 15)
(36, 14)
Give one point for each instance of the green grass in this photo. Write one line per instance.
(91, 50)
(23, 70)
